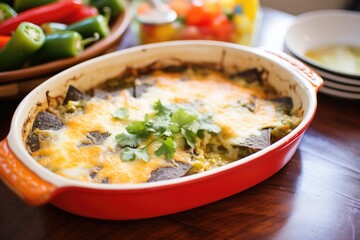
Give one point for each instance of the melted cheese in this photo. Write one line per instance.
(64, 151)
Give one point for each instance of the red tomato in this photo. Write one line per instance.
(190, 32)
(201, 15)
(222, 28)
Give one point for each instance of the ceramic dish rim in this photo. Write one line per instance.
(17, 145)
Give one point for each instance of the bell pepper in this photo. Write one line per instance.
(84, 12)
(61, 45)
(26, 40)
(115, 6)
(6, 12)
(22, 5)
(89, 26)
(52, 12)
(4, 40)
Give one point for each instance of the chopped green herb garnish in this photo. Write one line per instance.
(162, 126)
(121, 113)
(181, 117)
(129, 154)
(128, 140)
(138, 128)
(160, 109)
(167, 148)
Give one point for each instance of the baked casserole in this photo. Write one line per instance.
(159, 124)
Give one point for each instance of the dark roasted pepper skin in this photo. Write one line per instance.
(115, 6)
(6, 11)
(89, 26)
(26, 40)
(22, 5)
(58, 45)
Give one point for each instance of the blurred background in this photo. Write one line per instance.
(300, 6)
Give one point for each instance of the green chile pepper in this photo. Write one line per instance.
(52, 27)
(25, 41)
(22, 5)
(60, 45)
(116, 6)
(6, 12)
(89, 26)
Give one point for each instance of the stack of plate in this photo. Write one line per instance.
(329, 42)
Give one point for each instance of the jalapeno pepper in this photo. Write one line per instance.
(6, 12)
(22, 5)
(53, 27)
(116, 6)
(89, 26)
(26, 40)
(52, 12)
(60, 45)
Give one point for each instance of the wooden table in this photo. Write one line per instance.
(315, 196)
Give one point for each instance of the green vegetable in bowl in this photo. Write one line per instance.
(25, 41)
(22, 5)
(6, 11)
(115, 6)
(61, 45)
(89, 26)
(52, 27)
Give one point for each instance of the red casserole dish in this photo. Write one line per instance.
(36, 185)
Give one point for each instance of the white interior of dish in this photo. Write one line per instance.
(323, 28)
(86, 75)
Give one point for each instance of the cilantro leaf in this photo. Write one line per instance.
(167, 121)
(161, 109)
(189, 136)
(201, 134)
(159, 126)
(174, 127)
(121, 113)
(207, 124)
(182, 117)
(127, 139)
(138, 128)
(167, 148)
(130, 154)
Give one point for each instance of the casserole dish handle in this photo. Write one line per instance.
(32, 189)
(315, 80)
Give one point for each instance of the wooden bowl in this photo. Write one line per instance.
(118, 28)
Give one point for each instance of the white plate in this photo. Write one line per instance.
(323, 28)
(337, 78)
(339, 93)
(329, 76)
(341, 87)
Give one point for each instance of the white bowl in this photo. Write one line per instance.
(323, 28)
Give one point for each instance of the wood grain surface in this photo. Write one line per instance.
(315, 196)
